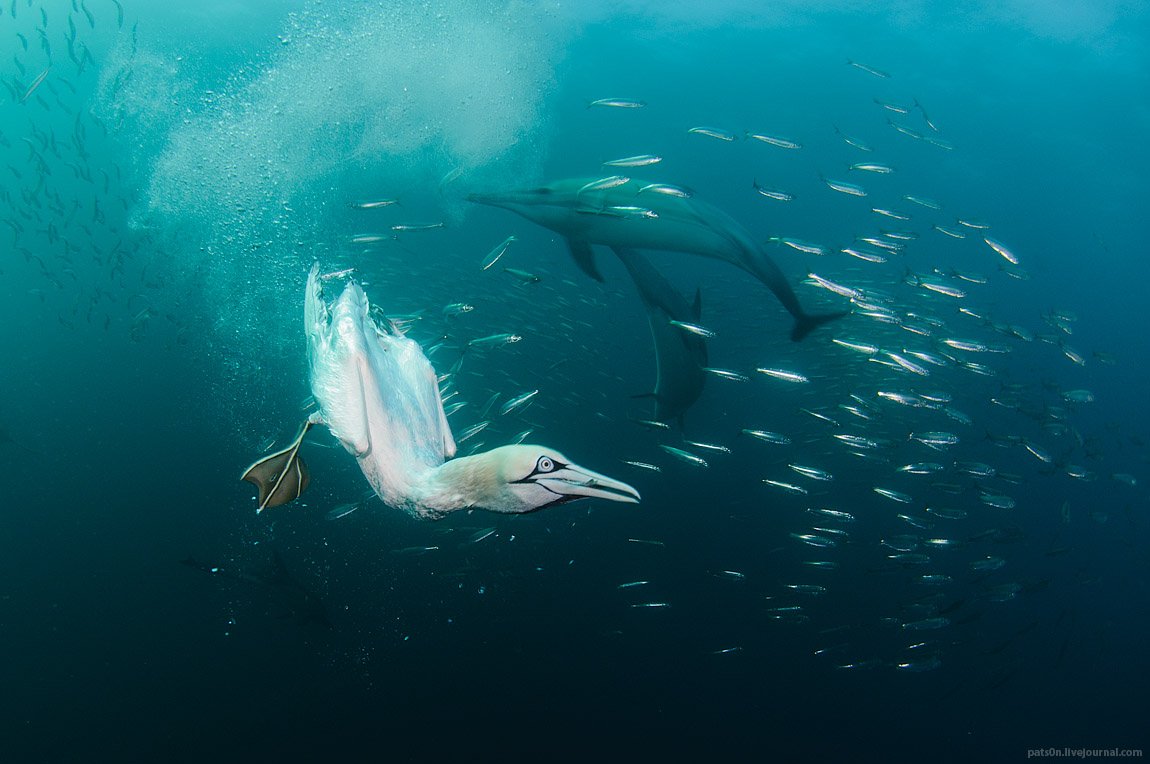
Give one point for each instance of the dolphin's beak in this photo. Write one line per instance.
(505, 199)
(578, 482)
(494, 200)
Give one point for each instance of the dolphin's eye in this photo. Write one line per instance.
(545, 464)
(540, 190)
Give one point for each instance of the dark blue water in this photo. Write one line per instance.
(164, 198)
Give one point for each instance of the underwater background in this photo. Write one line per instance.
(171, 171)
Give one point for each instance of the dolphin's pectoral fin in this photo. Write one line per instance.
(805, 324)
(584, 258)
(282, 476)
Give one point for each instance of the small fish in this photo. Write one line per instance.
(343, 510)
(857, 441)
(713, 132)
(975, 224)
(414, 550)
(944, 289)
(496, 253)
(840, 290)
(833, 514)
(908, 365)
(646, 542)
(368, 238)
(869, 69)
(895, 107)
(630, 211)
(881, 169)
(525, 276)
(768, 437)
(639, 160)
(336, 274)
(1001, 249)
(457, 309)
(652, 604)
(898, 496)
(949, 232)
(666, 189)
(969, 346)
(480, 535)
(734, 376)
(853, 141)
(494, 339)
(923, 202)
(935, 438)
(851, 189)
(618, 103)
(890, 213)
(632, 584)
(811, 472)
(373, 203)
(996, 500)
(800, 245)
(858, 347)
(818, 415)
(779, 196)
(603, 184)
(411, 227)
(786, 376)
(905, 130)
(814, 589)
(471, 431)
(643, 465)
(695, 329)
(518, 402)
(684, 456)
(774, 140)
(812, 539)
(790, 487)
(708, 446)
(35, 84)
(921, 468)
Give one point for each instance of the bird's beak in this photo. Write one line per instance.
(576, 482)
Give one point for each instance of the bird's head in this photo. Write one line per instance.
(539, 477)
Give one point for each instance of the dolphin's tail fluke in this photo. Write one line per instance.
(806, 324)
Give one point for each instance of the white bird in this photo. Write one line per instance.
(378, 395)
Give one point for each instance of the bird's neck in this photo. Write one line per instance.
(463, 483)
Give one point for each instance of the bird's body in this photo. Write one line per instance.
(379, 396)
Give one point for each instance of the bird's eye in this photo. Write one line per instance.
(545, 464)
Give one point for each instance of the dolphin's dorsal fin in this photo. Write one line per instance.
(584, 258)
(282, 476)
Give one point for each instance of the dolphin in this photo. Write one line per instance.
(679, 356)
(624, 212)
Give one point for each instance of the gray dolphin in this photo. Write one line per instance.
(679, 356)
(623, 212)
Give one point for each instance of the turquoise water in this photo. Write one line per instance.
(174, 174)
